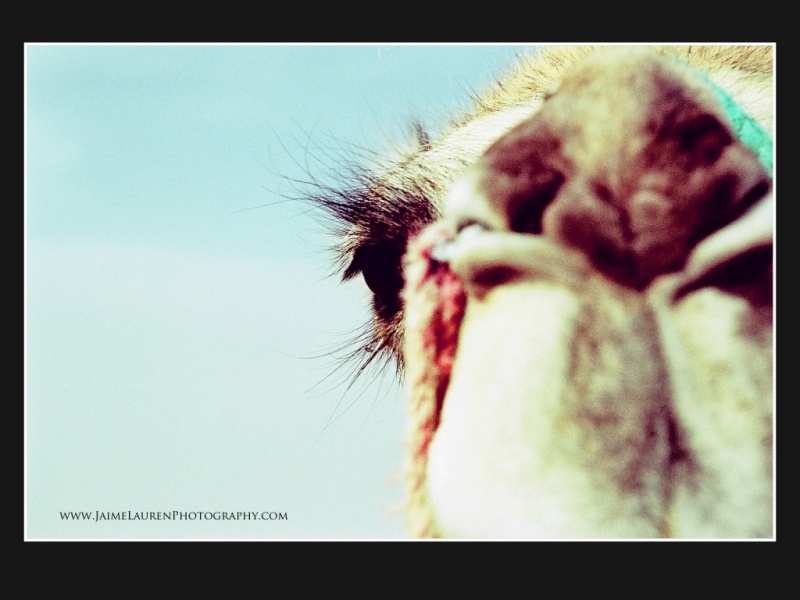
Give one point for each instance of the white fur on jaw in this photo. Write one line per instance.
(722, 396)
(508, 460)
(479, 481)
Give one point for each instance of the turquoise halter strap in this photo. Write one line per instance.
(749, 132)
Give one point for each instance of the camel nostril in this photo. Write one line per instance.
(526, 209)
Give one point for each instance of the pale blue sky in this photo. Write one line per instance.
(169, 330)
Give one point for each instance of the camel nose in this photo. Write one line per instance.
(512, 184)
